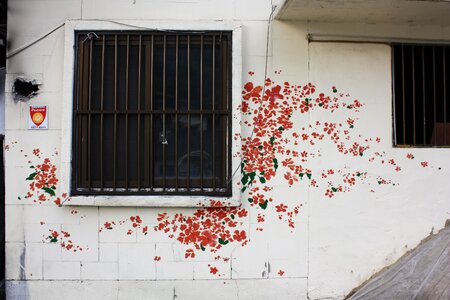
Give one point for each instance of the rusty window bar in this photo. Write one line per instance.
(84, 182)
(420, 95)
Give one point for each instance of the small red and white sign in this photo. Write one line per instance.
(38, 117)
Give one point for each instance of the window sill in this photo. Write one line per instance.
(152, 201)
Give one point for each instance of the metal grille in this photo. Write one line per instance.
(152, 113)
(421, 108)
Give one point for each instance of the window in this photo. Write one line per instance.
(421, 100)
(152, 113)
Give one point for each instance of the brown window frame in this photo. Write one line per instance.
(421, 102)
(201, 170)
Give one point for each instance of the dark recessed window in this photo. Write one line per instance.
(152, 113)
(421, 77)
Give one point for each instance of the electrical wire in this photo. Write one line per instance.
(23, 48)
(264, 84)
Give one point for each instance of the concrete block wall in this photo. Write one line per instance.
(336, 243)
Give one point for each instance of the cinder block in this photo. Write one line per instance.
(14, 227)
(52, 252)
(136, 261)
(26, 63)
(55, 270)
(119, 232)
(288, 243)
(84, 236)
(203, 289)
(99, 271)
(108, 252)
(269, 289)
(174, 270)
(217, 269)
(146, 290)
(38, 233)
(250, 261)
(34, 214)
(290, 268)
(23, 261)
(58, 289)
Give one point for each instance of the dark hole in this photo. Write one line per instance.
(25, 88)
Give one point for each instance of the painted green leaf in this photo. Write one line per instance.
(252, 177)
(232, 216)
(250, 200)
(301, 175)
(361, 153)
(201, 247)
(334, 189)
(223, 242)
(49, 191)
(281, 128)
(31, 176)
(262, 179)
(244, 179)
(243, 189)
(260, 147)
(18, 197)
(264, 205)
(308, 175)
(272, 140)
(53, 239)
(31, 167)
(320, 104)
(275, 163)
(53, 187)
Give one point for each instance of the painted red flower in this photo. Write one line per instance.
(213, 270)
(281, 207)
(274, 93)
(251, 92)
(239, 235)
(189, 253)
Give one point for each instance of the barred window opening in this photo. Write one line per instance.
(152, 113)
(421, 101)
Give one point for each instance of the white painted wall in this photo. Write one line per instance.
(337, 243)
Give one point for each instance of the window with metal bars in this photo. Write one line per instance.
(152, 113)
(421, 101)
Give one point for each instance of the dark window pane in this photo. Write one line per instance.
(150, 114)
(420, 97)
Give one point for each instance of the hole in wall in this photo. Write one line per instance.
(24, 89)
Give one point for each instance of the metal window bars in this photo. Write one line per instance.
(420, 95)
(152, 113)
